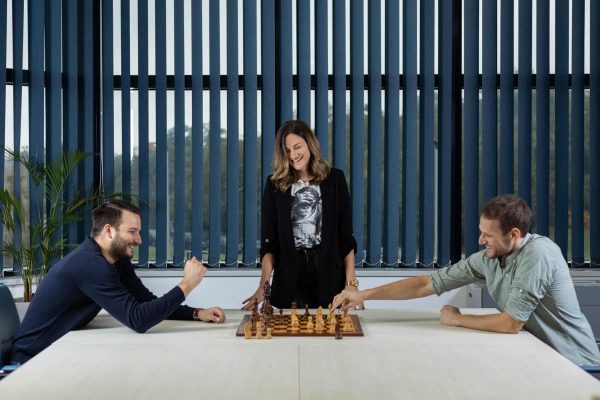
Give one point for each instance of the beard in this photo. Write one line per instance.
(119, 249)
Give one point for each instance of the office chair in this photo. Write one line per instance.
(9, 323)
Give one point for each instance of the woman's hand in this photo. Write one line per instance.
(258, 296)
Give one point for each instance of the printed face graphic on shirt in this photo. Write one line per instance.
(306, 215)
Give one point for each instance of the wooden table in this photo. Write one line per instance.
(404, 354)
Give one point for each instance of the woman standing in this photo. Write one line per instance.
(307, 238)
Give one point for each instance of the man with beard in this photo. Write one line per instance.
(525, 274)
(99, 274)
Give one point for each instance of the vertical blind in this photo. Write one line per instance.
(430, 108)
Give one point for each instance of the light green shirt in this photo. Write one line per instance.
(533, 285)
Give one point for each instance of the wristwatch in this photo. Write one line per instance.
(195, 314)
(353, 282)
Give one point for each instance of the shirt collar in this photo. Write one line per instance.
(512, 256)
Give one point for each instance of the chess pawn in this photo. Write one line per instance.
(338, 331)
(320, 324)
(309, 325)
(347, 325)
(247, 330)
(269, 333)
(320, 311)
(259, 328)
(330, 316)
(295, 324)
(332, 325)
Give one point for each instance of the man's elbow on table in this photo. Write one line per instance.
(513, 325)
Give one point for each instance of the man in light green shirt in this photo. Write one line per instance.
(525, 274)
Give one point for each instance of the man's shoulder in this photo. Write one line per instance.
(541, 246)
(86, 255)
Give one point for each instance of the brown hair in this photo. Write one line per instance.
(110, 213)
(283, 175)
(511, 211)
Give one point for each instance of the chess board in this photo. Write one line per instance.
(282, 326)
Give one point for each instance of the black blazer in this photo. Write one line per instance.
(337, 239)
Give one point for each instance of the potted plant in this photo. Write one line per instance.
(42, 241)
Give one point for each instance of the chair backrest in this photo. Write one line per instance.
(9, 323)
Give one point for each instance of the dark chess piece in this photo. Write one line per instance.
(255, 308)
(267, 308)
(338, 330)
(254, 315)
(306, 312)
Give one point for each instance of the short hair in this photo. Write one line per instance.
(110, 213)
(511, 211)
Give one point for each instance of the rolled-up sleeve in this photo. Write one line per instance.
(532, 279)
(520, 304)
(457, 275)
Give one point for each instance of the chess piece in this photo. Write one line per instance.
(259, 328)
(347, 325)
(338, 331)
(320, 324)
(331, 326)
(306, 312)
(309, 325)
(269, 333)
(267, 308)
(319, 311)
(267, 321)
(247, 330)
(254, 315)
(295, 324)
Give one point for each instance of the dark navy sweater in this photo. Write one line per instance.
(75, 290)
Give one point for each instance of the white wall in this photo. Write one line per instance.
(227, 288)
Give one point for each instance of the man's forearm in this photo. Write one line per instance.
(501, 323)
(404, 289)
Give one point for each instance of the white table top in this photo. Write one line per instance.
(404, 354)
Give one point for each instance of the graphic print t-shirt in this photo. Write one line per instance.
(307, 207)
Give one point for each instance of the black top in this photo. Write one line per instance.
(337, 240)
(75, 290)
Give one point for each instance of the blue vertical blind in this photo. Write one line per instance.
(184, 110)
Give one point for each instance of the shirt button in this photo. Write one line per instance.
(520, 290)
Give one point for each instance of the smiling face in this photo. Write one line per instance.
(125, 236)
(497, 244)
(298, 154)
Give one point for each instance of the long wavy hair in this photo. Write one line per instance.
(283, 174)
